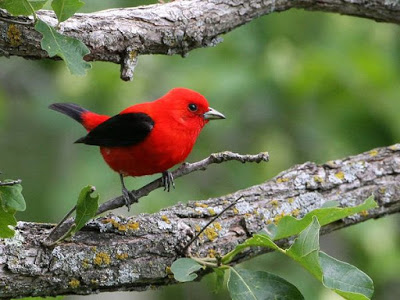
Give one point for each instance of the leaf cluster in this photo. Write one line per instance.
(71, 50)
(342, 278)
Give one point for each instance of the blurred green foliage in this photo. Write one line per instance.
(301, 85)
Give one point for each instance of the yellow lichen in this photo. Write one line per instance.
(122, 227)
(168, 270)
(382, 190)
(373, 153)
(102, 258)
(85, 263)
(268, 221)
(93, 248)
(318, 179)
(165, 219)
(247, 215)
(364, 213)
(255, 211)
(94, 281)
(290, 200)
(121, 256)
(217, 226)
(210, 233)
(74, 283)
(132, 55)
(274, 203)
(340, 175)
(211, 253)
(235, 210)
(211, 211)
(197, 228)
(198, 204)
(282, 179)
(133, 225)
(295, 212)
(14, 35)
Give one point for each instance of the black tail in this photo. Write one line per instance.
(70, 109)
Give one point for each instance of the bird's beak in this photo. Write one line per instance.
(213, 114)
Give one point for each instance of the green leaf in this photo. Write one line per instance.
(64, 9)
(219, 279)
(7, 219)
(254, 285)
(257, 240)
(86, 207)
(345, 279)
(289, 226)
(69, 49)
(22, 7)
(305, 249)
(11, 197)
(184, 268)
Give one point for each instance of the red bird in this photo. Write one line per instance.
(146, 138)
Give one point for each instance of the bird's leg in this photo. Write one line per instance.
(129, 197)
(168, 180)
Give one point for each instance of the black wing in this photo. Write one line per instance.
(121, 130)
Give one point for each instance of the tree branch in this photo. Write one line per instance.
(118, 253)
(184, 169)
(120, 35)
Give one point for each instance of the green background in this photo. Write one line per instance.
(305, 86)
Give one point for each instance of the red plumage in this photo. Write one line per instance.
(146, 138)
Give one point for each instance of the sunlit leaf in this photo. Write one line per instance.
(69, 49)
(12, 198)
(64, 9)
(259, 285)
(86, 207)
(345, 279)
(7, 219)
(305, 249)
(22, 7)
(184, 269)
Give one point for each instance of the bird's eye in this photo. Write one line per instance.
(192, 107)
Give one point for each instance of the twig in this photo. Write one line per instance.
(9, 183)
(184, 169)
(54, 230)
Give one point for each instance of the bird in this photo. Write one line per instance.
(145, 138)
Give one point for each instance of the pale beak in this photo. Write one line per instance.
(213, 114)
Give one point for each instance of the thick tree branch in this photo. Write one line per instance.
(118, 253)
(120, 35)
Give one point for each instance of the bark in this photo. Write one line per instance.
(120, 35)
(119, 253)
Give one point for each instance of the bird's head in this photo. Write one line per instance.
(190, 107)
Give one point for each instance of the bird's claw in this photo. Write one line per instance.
(129, 197)
(167, 180)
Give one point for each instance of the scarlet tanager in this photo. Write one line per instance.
(145, 138)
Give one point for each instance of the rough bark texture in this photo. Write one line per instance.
(118, 253)
(120, 35)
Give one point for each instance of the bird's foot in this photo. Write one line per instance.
(129, 197)
(167, 180)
